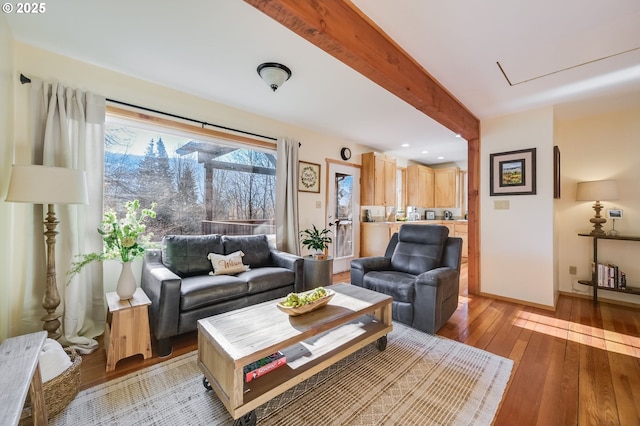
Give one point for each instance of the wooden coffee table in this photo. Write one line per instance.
(313, 341)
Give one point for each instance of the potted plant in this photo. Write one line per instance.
(124, 240)
(316, 240)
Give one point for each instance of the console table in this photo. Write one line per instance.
(594, 275)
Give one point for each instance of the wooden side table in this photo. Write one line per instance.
(127, 329)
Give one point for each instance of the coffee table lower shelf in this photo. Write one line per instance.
(309, 357)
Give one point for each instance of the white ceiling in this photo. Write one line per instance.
(582, 55)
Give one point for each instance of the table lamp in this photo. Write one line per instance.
(597, 190)
(48, 185)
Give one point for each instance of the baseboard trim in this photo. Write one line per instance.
(520, 302)
(601, 299)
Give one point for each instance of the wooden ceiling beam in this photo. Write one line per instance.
(339, 28)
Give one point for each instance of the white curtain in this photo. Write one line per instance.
(68, 131)
(287, 237)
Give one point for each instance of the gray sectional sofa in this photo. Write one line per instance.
(177, 279)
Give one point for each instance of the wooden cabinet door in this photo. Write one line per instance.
(393, 228)
(380, 176)
(445, 185)
(367, 179)
(374, 239)
(389, 183)
(413, 189)
(427, 189)
(461, 230)
(378, 180)
(420, 186)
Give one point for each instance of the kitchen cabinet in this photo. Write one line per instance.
(375, 236)
(449, 224)
(420, 186)
(446, 187)
(461, 229)
(378, 180)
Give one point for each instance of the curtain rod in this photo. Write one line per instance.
(24, 80)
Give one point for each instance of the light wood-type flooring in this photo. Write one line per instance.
(579, 365)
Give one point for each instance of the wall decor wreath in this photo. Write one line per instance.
(308, 177)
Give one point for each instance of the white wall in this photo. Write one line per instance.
(603, 146)
(517, 244)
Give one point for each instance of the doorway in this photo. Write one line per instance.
(343, 209)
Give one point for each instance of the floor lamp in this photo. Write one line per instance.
(48, 185)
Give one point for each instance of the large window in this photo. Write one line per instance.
(200, 186)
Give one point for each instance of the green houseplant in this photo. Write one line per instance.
(317, 240)
(124, 239)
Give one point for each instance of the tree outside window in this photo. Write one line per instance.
(200, 186)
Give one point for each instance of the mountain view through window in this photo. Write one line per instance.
(200, 186)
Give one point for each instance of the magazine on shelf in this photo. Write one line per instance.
(264, 366)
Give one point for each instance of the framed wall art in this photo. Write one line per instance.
(308, 177)
(513, 172)
(556, 172)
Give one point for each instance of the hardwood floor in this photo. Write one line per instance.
(579, 365)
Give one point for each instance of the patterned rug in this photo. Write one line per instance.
(418, 380)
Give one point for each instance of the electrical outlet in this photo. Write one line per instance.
(573, 270)
(501, 205)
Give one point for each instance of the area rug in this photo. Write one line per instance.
(419, 379)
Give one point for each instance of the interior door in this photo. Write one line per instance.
(343, 207)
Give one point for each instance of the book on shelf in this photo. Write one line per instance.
(264, 366)
(609, 275)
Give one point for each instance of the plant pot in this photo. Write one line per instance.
(320, 256)
(126, 282)
(317, 272)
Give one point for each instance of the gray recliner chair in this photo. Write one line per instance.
(420, 270)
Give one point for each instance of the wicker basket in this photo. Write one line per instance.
(59, 391)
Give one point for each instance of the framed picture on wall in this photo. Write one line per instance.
(556, 172)
(513, 172)
(308, 177)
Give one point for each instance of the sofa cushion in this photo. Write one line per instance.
(399, 285)
(419, 248)
(255, 247)
(186, 255)
(267, 278)
(204, 290)
(227, 264)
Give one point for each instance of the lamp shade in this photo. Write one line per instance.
(47, 185)
(597, 190)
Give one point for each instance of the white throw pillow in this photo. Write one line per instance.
(227, 265)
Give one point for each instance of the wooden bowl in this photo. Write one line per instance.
(316, 304)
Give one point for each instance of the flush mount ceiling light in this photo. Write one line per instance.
(274, 74)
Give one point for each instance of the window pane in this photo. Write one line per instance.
(200, 186)
(343, 244)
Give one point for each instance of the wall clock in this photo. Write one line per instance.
(345, 153)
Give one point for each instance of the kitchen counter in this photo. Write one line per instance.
(375, 236)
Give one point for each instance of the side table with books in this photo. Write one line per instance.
(611, 283)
